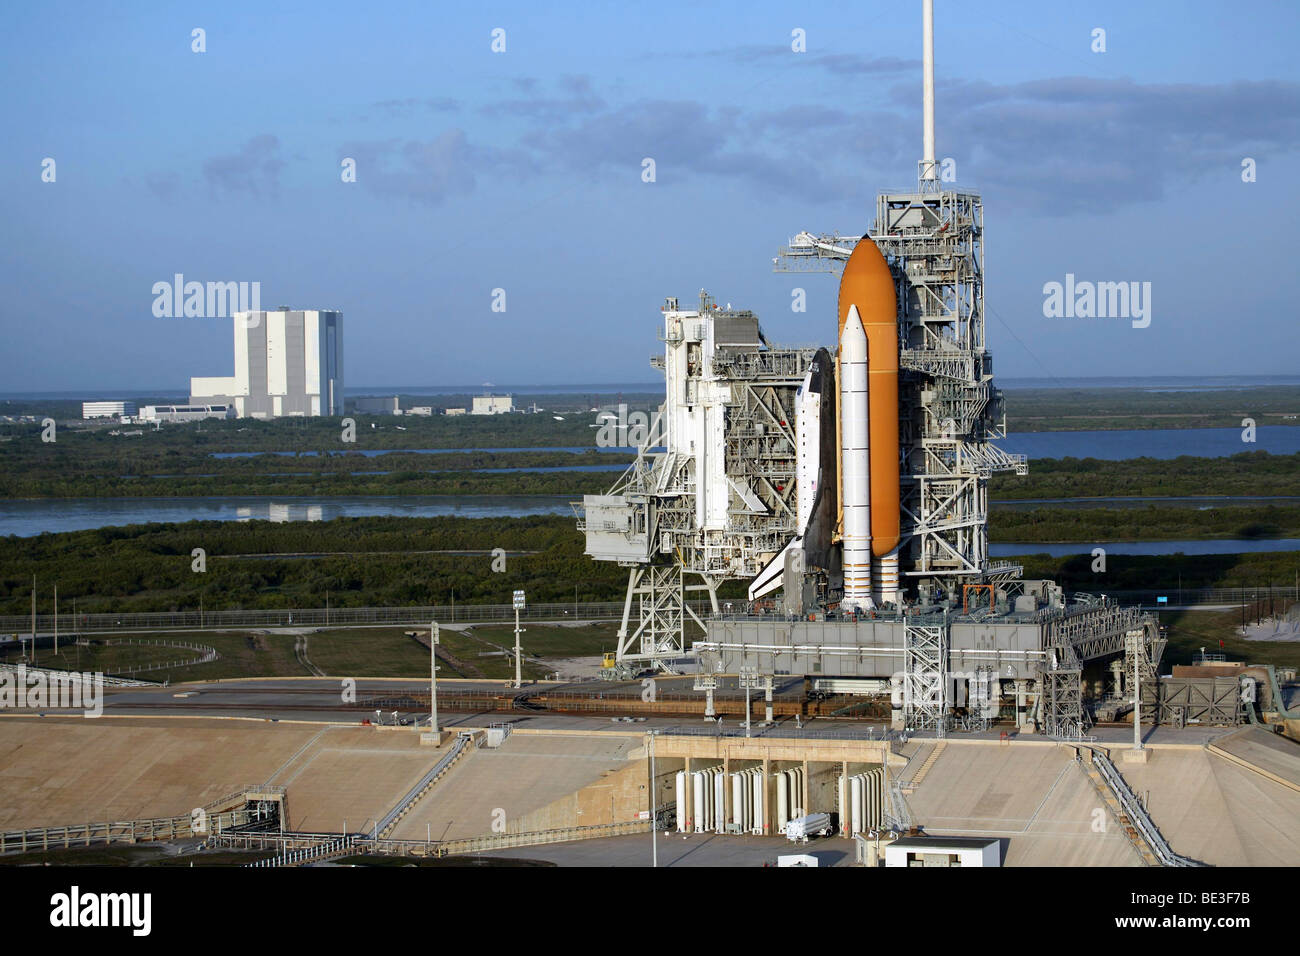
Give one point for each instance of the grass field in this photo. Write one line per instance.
(243, 654)
(1189, 631)
(338, 652)
(106, 658)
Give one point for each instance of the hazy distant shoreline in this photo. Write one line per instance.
(1154, 383)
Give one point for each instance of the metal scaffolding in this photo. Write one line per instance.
(925, 678)
(1063, 715)
(949, 412)
(712, 491)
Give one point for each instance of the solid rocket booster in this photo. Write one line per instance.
(867, 296)
(855, 464)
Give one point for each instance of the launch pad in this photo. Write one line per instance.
(853, 481)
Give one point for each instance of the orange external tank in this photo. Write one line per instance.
(868, 284)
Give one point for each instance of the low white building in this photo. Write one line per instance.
(185, 413)
(493, 404)
(944, 851)
(107, 409)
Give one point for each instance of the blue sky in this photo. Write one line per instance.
(522, 170)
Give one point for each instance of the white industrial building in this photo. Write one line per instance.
(107, 409)
(944, 851)
(184, 413)
(287, 362)
(493, 404)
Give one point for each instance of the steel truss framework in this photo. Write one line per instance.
(754, 389)
(949, 410)
(1206, 700)
(925, 678)
(1063, 713)
(658, 592)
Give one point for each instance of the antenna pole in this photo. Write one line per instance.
(927, 48)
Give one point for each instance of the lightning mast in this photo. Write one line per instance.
(949, 412)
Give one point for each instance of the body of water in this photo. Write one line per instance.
(1153, 443)
(28, 517)
(1223, 546)
(1198, 502)
(1106, 445)
(371, 453)
(32, 516)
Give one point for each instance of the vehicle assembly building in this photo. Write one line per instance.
(287, 362)
(853, 480)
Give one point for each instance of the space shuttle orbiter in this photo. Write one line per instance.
(848, 478)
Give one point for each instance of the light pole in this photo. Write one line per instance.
(654, 805)
(519, 606)
(1137, 704)
(433, 677)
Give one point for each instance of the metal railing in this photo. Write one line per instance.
(1137, 813)
(52, 675)
(179, 827)
(497, 841)
(314, 853)
(313, 617)
(120, 831)
(206, 654)
(414, 794)
(481, 613)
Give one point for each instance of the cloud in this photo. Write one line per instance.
(431, 170)
(1071, 143)
(841, 64)
(577, 98)
(413, 105)
(255, 169)
(687, 138)
(163, 185)
(1055, 145)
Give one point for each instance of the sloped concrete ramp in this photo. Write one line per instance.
(502, 789)
(1217, 811)
(63, 771)
(1031, 794)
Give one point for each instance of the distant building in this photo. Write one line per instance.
(372, 405)
(454, 411)
(107, 409)
(420, 410)
(493, 404)
(184, 413)
(944, 851)
(287, 362)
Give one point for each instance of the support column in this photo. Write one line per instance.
(728, 811)
(690, 798)
(767, 700)
(768, 789)
(1024, 720)
(897, 721)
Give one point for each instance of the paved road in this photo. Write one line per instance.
(696, 849)
(322, 700)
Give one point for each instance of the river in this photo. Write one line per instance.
(1106, 445)
(28, 517)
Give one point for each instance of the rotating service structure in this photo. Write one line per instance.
(848, 485)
